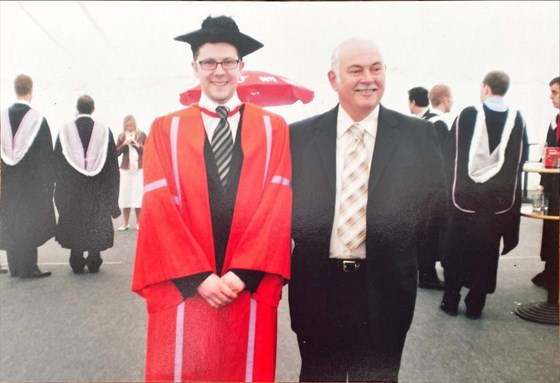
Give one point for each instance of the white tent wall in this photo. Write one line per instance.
(124, 56)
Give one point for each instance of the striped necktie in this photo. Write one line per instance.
(353, 200)
(222, 144)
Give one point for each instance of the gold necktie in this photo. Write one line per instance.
(353, 201)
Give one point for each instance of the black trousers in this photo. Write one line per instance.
(347, 353)
(78, 262)
(22, 262)
(475, 299)
(428, 250)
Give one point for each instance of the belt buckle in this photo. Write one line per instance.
(346, 266)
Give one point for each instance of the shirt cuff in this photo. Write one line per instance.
(251, 278)
(188, 285)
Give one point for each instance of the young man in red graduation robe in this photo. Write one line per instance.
(213, 251)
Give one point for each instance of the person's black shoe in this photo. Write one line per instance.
(78, 269)
(473, 314)
(539, 280)
(452, 310)
(36, 274)
(77, 262)
(3, 271)
(94, 264)
(431, 283)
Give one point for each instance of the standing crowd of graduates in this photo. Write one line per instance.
(84, 168)
(350, 207)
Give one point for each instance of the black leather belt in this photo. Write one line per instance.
(348, 265)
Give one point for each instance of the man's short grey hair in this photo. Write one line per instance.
(335, 56)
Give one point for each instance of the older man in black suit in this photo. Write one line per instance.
(367, 181)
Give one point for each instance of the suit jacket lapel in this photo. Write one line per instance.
(325, 144)
(388, 134)
(387, 137)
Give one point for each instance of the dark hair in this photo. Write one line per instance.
(419, 95)
(196, 51)
(23, 85)
(85, 104)
(555, 80)
(498, 81)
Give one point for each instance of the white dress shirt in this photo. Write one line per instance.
(211, 122)
(343, 141)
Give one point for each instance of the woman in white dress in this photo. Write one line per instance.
(131, 145)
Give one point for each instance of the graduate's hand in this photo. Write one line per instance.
(233, 281)
(216, 293)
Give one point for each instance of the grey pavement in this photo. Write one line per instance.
(91, 327)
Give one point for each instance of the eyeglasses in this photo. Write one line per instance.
(226, 64)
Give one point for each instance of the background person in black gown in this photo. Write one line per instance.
(549, 243)
(27, 218)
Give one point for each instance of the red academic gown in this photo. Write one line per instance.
(188, 340)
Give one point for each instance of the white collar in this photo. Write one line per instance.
(344, 122)
(206, 103)
(436, 111)
(496, 104)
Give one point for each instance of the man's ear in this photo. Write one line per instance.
(195, 68)
(333, 80)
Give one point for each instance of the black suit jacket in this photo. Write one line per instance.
(406, 196)
(551, 141)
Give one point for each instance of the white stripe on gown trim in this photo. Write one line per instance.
(174, 158)
(250, 364)
(268, 133)
(280, 180)
(155, 185)
(179, 327)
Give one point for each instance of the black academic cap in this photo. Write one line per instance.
(221, 29)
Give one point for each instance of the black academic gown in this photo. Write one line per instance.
(549, 249)
(86, 204)
(27, 218)
(429, 244)
(473, 237)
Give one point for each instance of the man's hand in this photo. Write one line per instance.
(233, 282)
(216, 292)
